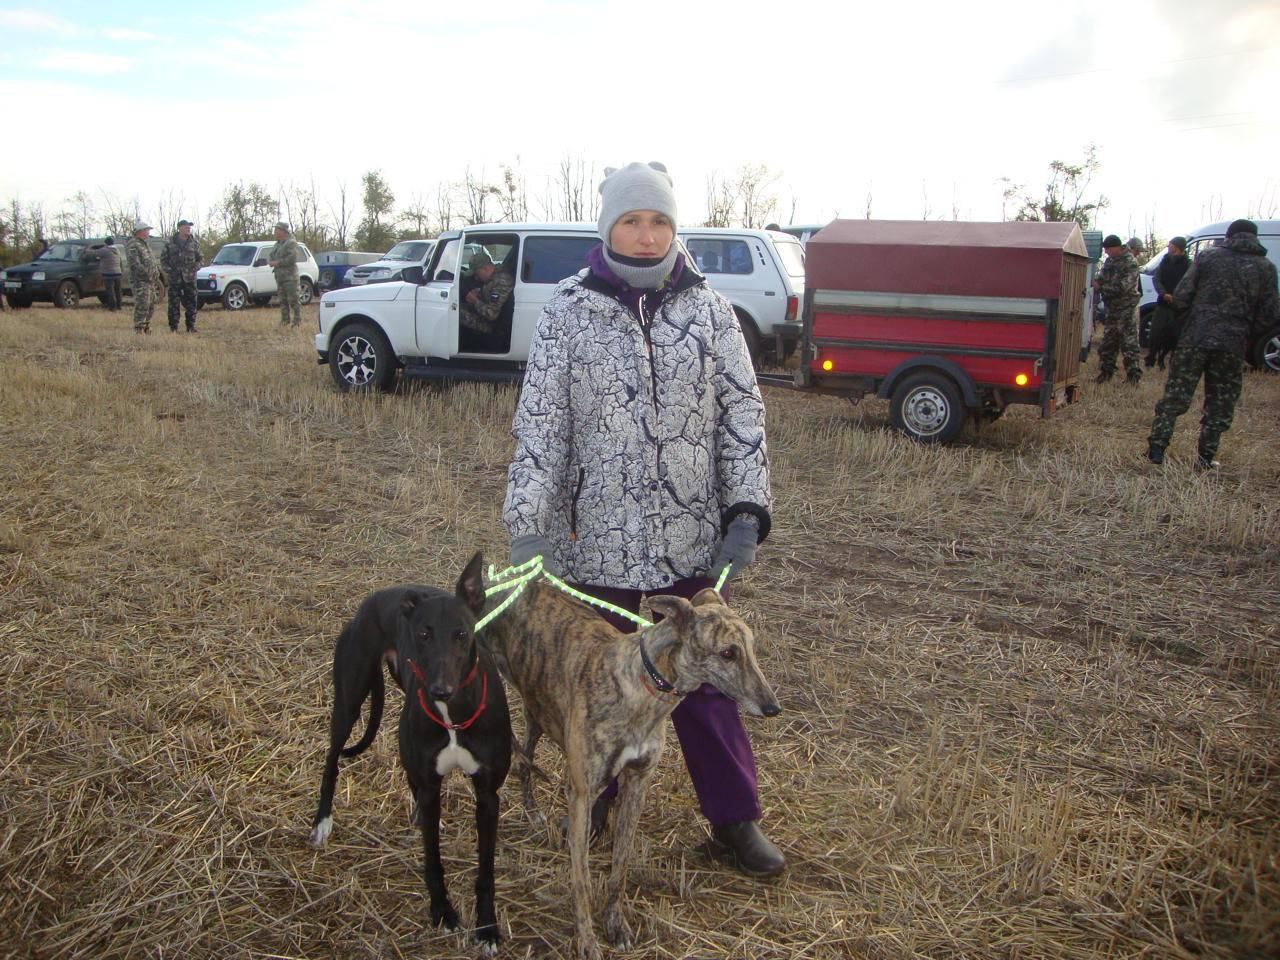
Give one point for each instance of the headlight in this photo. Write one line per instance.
(38, 275)
(3, 276)
(380, 273)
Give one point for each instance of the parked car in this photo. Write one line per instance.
(371, 332)
(761, 272)
(335, 264)
(66, 273)
(390, 265)
(238, 275)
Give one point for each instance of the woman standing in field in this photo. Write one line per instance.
(640, 465)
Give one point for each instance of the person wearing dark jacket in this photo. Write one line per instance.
(1165, 323)
(1228, 295)
(110, 265)
(640, 465)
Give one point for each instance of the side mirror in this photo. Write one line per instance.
(412, 275)
(260, 262)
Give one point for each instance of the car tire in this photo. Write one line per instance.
(751, 335)
(1265, 353)
(305, 291)
(360, 359)
(1145, 316)
(328, 280)
(17, 301)
(927, 407)
(235, 297)
(66, 296)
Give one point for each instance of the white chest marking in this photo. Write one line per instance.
(453, 757)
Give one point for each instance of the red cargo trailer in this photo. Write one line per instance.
(946, 319)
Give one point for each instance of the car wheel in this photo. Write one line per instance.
(751, 335)
(305, 291)
(17, 301)
(235, 297)
(327, 279)
(360, 359)
(1145, 316)
(927, 408)
(1265, 354)
(67, 295)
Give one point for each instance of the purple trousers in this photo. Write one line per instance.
(712, 738)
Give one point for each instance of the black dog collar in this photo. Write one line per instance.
(660, 683)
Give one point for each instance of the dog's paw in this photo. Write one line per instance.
(488, 938)
(320, 832)
(617, 932)
(444, 916)
(590, 951)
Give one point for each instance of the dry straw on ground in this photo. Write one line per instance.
(1029, 685)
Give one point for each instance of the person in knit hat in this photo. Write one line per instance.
(641, 468)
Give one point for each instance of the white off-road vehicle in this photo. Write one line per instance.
(238, 275)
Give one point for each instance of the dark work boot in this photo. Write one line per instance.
(747, 848)
(1155, 454)
(1206, 464)
(1133, 375)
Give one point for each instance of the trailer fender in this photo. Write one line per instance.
(968, 391)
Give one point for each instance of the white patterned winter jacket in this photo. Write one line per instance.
(634, 451)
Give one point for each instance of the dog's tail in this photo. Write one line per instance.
(377, 695)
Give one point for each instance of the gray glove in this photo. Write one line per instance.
(738, 549)
(525, 548)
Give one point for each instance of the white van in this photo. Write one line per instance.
(368, 333)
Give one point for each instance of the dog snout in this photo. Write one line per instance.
(771, 709)
(440, 691)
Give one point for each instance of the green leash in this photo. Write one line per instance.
(528, 571)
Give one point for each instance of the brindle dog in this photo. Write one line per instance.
(604, 697)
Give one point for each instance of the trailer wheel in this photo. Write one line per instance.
(927, 408)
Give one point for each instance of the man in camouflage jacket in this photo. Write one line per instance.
(283, 261)
(144, 276)
(484, 303)
(1229, 295)
(181, 259)
(1118, 283)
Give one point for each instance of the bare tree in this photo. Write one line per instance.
(722, 199)
(477, 195)
(924, 192)
(513, 195)
(168, 213)
(416, 218)
(117, 215)
(341, 217)
(753, 190)
(446, 198)
(867, 210)
(1064, 194)
(571, 193)
(1264, 208)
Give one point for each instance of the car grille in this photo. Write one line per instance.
(205, 283)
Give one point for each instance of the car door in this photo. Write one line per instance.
(435, 310)
(742, 270)
(546, 260)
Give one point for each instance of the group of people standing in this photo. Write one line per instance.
(1206, 315)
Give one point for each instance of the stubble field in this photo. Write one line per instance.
(1030, 685)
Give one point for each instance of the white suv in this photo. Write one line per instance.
(369, 333)
(238, 275)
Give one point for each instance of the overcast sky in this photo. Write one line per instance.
(922, 107)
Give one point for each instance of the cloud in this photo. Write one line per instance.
(36, 20)
(83, 61)
(128, 33)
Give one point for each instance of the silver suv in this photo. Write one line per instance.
(406, 253)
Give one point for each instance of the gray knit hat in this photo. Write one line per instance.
(637, 186)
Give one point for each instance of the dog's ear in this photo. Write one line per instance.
(676, 609)
(471, 584)
(708, 597)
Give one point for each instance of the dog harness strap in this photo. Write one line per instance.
(484, 702)
(660, 683)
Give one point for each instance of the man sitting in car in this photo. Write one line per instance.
(483, 304)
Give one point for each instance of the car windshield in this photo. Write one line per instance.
(408, 251)
(235, 255)
(792, 255)
(63, 251)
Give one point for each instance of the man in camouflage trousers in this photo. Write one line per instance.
(283, 261)
(144, 276)
(1118, 283)
(181, 260)
(1229, 294)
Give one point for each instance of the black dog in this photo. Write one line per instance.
(455, 716)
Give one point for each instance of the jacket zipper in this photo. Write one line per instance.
(573, 504)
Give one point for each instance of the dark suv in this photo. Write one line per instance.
(65, 273)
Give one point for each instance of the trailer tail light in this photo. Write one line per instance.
(828, 366)
(1022, 379)
(793, 305)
